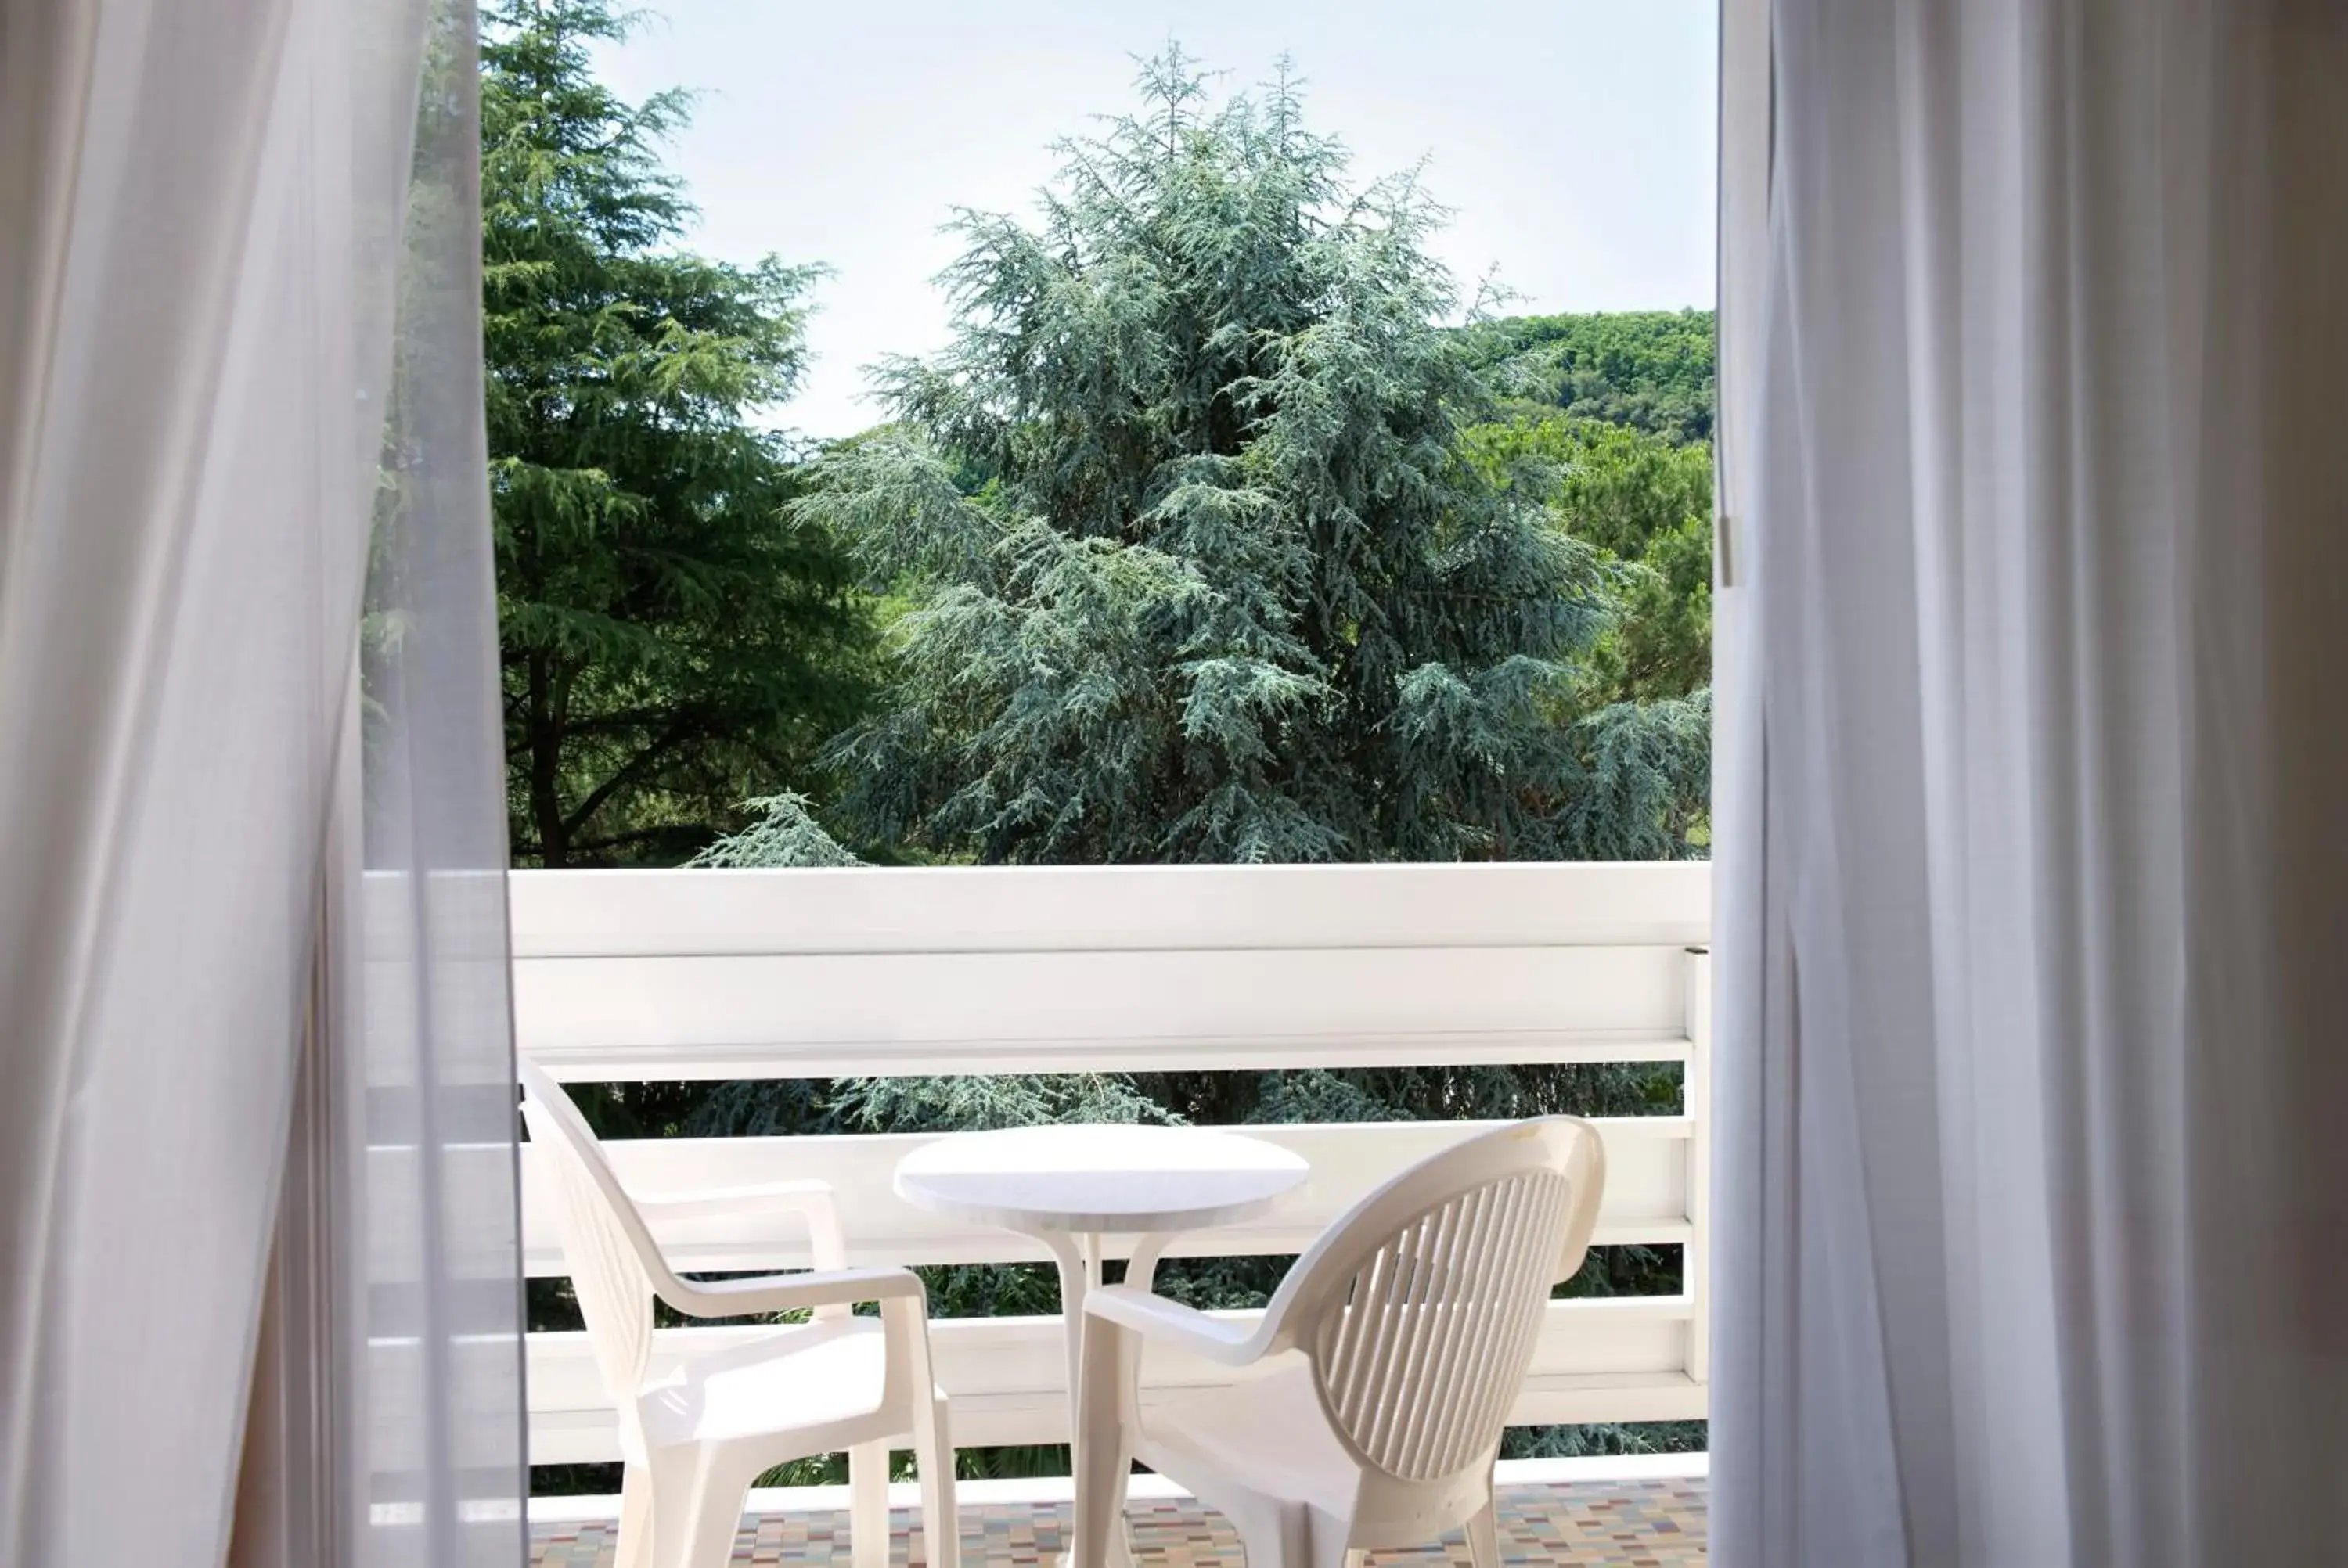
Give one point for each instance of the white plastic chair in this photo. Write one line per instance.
(1399, 1343)
(695, 1440)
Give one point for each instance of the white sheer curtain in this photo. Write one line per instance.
(2033, 1191)
(440, 1216)
(209, 219)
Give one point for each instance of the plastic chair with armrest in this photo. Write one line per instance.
(1375, 1389)
(693, 1439)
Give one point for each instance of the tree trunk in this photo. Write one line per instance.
(546, 767)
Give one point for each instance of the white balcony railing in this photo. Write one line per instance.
(874, 972)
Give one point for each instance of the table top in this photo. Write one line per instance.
(1115, 1180)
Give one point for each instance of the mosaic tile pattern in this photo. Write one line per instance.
(1609, 1524)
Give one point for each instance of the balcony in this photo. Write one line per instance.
(659, 976)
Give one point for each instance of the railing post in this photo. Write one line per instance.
(1695, 1102)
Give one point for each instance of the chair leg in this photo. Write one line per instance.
(635, 1539)
(695, 1515)
(1327, 1537)
(1100, 1448)
(868, 1505)
(940, 1528)
(1483, 1535)
(1278, 1537)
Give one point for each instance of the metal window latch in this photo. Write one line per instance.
(1724, 548)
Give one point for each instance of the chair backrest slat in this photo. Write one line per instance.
(1421, 1309)
(1451, 1349)
(605, 1243)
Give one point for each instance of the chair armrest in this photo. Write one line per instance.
(827, 1243)
(1171, 1322)
(792, 1291)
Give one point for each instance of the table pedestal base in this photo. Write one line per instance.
(1079, 1256)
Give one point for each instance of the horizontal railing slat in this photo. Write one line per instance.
(1645, 1200)
(1222, 1053)
(809, 1015)
(1008, 1376)
(876, 910)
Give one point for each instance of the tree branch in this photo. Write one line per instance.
(626, 774)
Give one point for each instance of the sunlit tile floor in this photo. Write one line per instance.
(1571, 1524)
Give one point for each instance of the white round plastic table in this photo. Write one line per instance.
(1072, 1186)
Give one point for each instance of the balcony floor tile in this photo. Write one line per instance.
(1594, 1524)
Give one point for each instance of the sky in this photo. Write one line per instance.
(1572, 138)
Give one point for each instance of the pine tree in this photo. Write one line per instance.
(671, 639)
(1199, 572)
(785, 835)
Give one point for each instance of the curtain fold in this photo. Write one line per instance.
(439, 1210)
(210, 215)
(2032, 1219)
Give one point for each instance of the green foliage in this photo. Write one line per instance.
(984, 1101)
(1645, 503)
(1623, 489)
(783, 834)
(1491, 1093)
(1199, 572)
(669, 637)
(1649, 370)
(1662, 645)
(1647, 772)
(1640, 726)
(1607, 1438)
